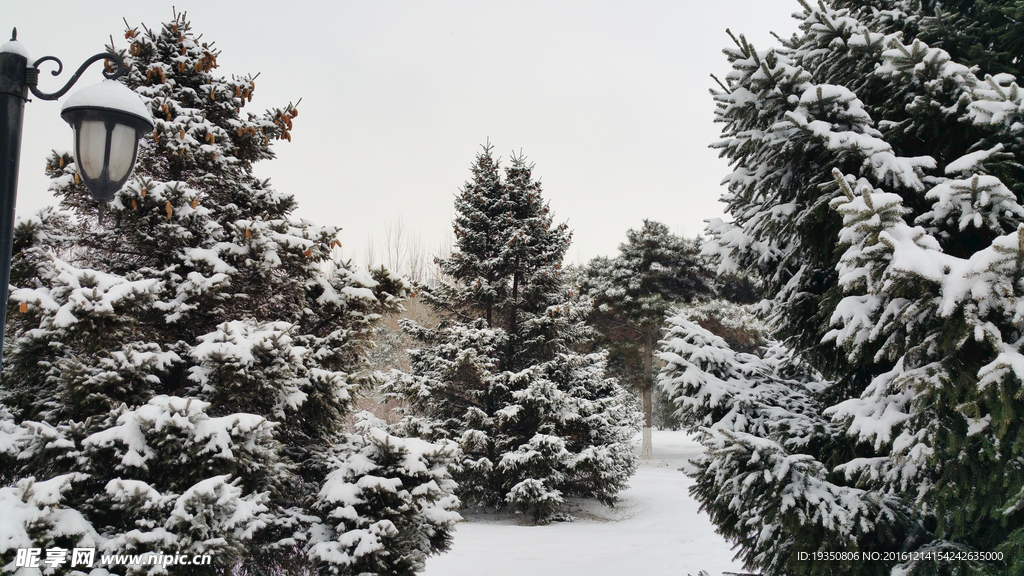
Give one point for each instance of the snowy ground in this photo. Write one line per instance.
(655, 529)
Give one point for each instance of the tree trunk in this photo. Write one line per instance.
(646, 390)
(647, 447)
(512, 314)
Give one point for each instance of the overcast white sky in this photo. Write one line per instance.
(609, 100)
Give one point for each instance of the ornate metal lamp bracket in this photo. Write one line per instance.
(33, 73)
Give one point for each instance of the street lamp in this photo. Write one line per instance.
(107, 119)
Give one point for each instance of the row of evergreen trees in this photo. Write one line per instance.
(877, 194)
(182, 366)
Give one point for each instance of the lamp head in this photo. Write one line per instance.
(108, 120)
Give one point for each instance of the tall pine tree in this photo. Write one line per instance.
(536, 420)
(181, 366)
(633, 292)
(877, 193)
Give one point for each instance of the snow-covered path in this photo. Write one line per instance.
(655, 529)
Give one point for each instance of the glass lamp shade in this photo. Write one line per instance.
(106, 139)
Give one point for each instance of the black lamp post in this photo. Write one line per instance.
(108, 120)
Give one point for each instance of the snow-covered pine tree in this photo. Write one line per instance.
(387, 502)
(633, 292)
(876, 192)
(760, 422)
(536, 420)
(731, 316)
(180, 370)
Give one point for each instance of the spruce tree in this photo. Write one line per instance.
(876, 192)
(633, 291)
(181, 363)
(536, 420)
